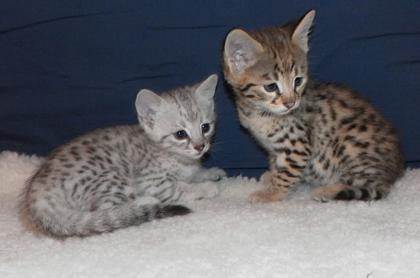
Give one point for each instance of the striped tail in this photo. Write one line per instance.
(69, 222)
(363, 194)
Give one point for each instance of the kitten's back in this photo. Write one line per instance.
(52, 206)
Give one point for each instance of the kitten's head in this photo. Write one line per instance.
(268, 68)
(181, 121)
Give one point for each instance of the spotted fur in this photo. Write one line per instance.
(313, 132)
(121, 176)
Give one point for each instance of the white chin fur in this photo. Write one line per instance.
(279, 110)
(282, 110)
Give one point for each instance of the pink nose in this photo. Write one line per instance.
(199, 148)
(289, 104)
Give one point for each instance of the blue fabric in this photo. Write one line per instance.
(67, 67)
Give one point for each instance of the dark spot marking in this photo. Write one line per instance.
(301, 153)
(250, 96)
(287, 173)
(283, 150)
(280, 140)
(321, 158)
(361, 144)
(296, 166)
(347, 120)
(333, 114)
(365, 194)
(352, 126)
(299, 127)
(309, 109)
(246, 87)
(343, 103)
(341, 150)
(345, 195)
(362, 128)
(349, 138)
(288, 159)
(326, 164)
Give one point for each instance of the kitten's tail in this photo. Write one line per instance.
(70, 222)
(362, 194)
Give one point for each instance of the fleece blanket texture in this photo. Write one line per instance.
(226, 237)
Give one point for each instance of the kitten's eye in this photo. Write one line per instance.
(298, 81)
(181, 134)
(272, 87)
(205, 128)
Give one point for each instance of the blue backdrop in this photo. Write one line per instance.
(67, 67)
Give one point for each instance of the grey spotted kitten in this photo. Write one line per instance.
(121, 176)
(313, 132)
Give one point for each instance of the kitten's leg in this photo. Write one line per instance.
(211, 174)
(286, 169)
(266, 178)
(190, 192)
(176, 192)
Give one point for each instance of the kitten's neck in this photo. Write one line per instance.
(188, 161)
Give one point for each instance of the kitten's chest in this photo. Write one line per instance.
(266, 130)
(178, 169)
(261, 129)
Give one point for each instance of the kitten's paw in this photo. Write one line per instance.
(327, 193)
(267, 196)
(212, 174)
(206, 190)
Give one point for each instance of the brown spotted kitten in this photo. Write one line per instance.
(121, 176)
(313, 132)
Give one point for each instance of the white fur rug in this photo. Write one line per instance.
(227, 237)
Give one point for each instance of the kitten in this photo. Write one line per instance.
(313, 132)
(121, 176)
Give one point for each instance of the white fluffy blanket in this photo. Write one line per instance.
(227, 237)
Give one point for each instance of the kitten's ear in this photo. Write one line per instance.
(301, 33)
(205, 91)
(241, 51)
(148, 105)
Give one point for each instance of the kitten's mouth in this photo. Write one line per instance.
(281, 109)
(199, 154)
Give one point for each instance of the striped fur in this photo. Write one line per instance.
(316, 133)
(122, 176)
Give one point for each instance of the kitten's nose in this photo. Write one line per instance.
(199, 148)
(289, 104)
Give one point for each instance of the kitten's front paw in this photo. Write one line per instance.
(267, 196)
(206, 190)
(212, 174)
(209, 190)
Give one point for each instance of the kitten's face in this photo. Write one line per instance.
(182, 121)
(268, 69)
